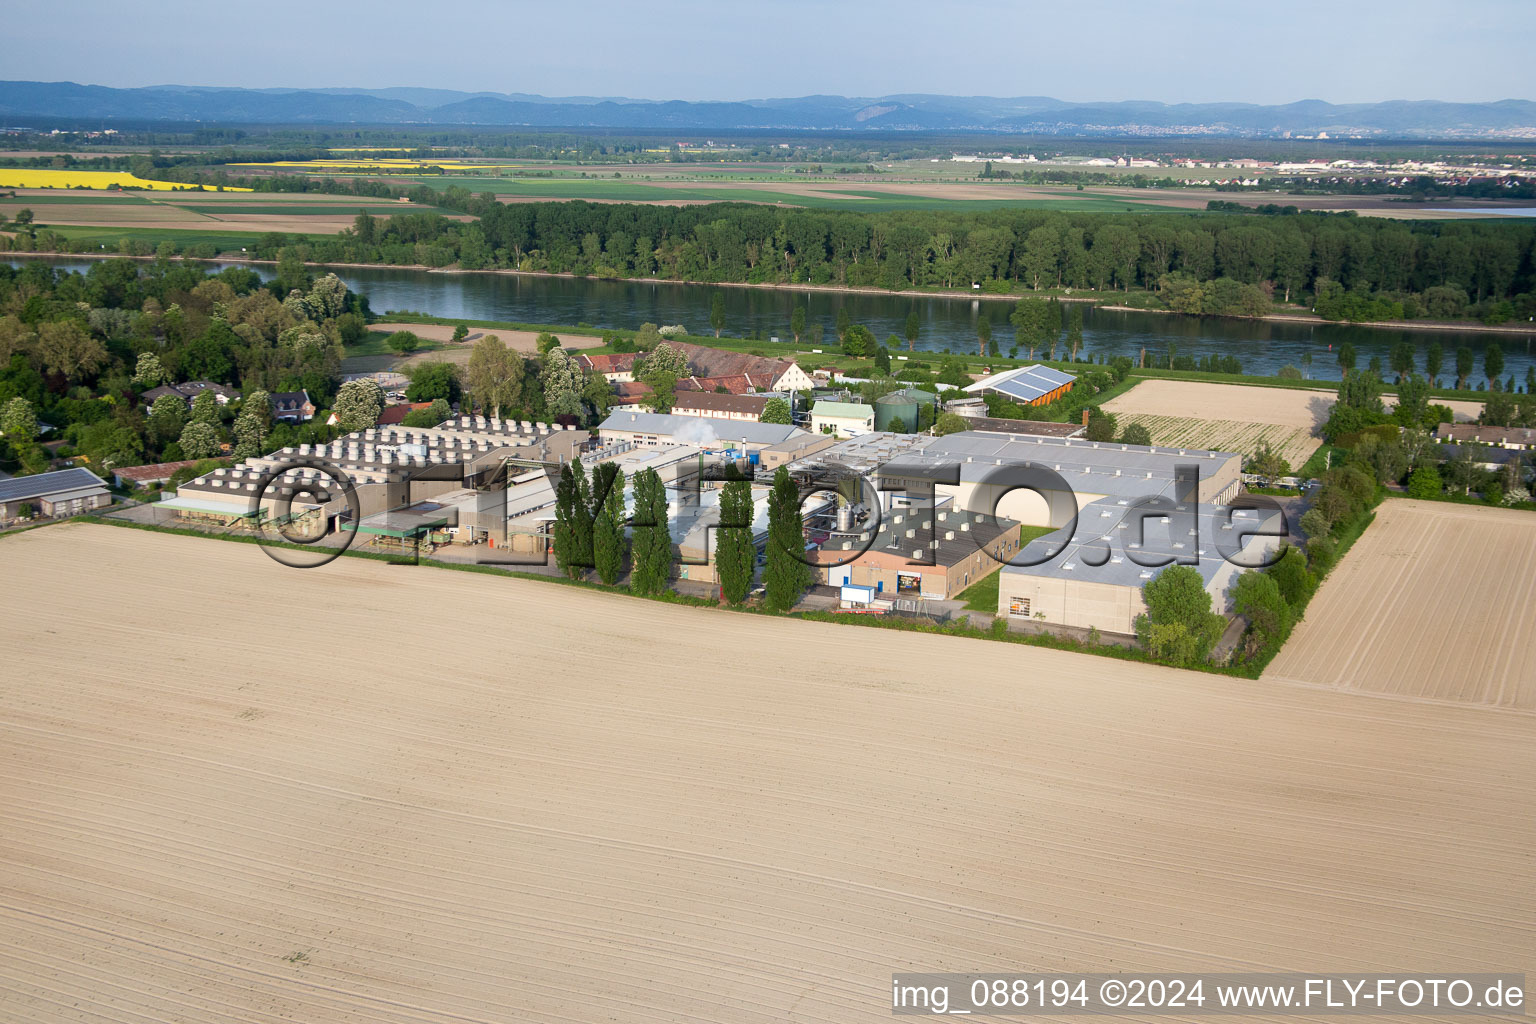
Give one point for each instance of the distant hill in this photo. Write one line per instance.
(916, 112)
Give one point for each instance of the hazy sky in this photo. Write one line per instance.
(1171, 50)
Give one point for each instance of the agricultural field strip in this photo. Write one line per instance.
(547, 843)
(1433, 602)
(1295, 444)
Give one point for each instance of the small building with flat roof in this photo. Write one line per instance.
(649, 429)
(842, 419)
(64, 492)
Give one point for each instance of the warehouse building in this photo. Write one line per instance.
(1092, 578)
(1044, 481)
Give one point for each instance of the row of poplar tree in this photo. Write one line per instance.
(590, 535)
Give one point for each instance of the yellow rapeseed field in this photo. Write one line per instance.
(33, 177)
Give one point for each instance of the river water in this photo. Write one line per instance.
(947, 323)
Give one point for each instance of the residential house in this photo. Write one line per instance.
(292, 406)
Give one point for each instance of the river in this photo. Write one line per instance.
(1263, 347)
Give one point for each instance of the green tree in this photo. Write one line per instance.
(717, 312)
(776, 410)
(199, 441)
(250, 434)
(914, 327)
(608, 543)
(545, 343)
(460, 332)
(1136, 433)
(652, 540)
(1434, 359)
(438, 380)
(844, 321)
(358, 405)
(205, 408)
(1466, 362)
(1425, 482)
(67, 349)
(1268, 463)
(1101, 425)
(1493, 364)
(166, 419)
(786, 575)
(573, 521)
(1402, 359)
(149, 372)
(1291, 575)
(563, 381)
(18, 421)
(1075, 331)
(950, 423)
(1346, 357)
(493, 378)
(402, 342)
(883, 358)
(660, 369)
(983, 334)
(858, 340)
(797, 321)
(1178, 625)
(735, 554)
(1031, 322)
(1256, 597)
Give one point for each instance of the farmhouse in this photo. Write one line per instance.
(649, 429)
(61, 493)
(618, 368)
(748, 408)
(767, 374)
(1026, 385)
(842, 419)
(1091, 577)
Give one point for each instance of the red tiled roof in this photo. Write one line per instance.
(631, 393)
(395, 415)
(709, 401)
(736, 383)
(620, 362)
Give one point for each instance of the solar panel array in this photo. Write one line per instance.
(1028, 383)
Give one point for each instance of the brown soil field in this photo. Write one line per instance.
(1291, 407)
(1433, 602)
(548, 804)
(520, 341)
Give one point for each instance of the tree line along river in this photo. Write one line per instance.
(1262, 347)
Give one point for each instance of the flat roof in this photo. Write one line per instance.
(847, 410)
(721, 431)
(41, 485)
(1121, 542)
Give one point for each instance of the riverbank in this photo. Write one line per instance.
(1521, 329)
(1097, 301)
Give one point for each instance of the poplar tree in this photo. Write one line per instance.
(735, 555)
(608, 521)
(786, 575)
(652, 541)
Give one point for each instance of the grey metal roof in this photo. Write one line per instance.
(1091, 467)
(42, 485)
(661, 424)
(1119, 542)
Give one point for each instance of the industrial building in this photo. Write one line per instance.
(649, 429)
(1025, 385)
(928, 552)
(64, 492)
(390, 468)
(903, 410)
(1044, 481)
(1092, 578)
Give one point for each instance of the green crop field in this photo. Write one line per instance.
(109, 236)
